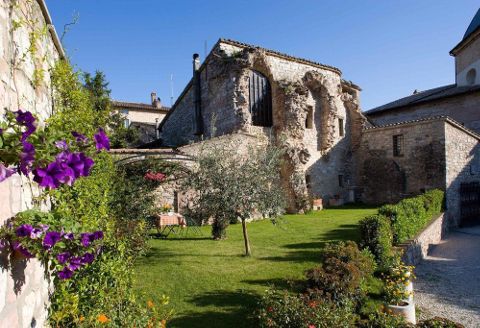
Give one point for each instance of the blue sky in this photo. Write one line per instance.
(389, 48)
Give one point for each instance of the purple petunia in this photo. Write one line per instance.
(75, 263)
(101, 140)
(18, 247)
(98, 235)
(51, 238)
(28, 120)
(24, 230)
(63, 257)
(80, 137)
(3, 243)
(69, 236)
(5, 172)
(27, 156)
(66, 273)
(44, 227)
(36, 233)
(87, 258)
(86, 239)
(80, 164)
(61, 144)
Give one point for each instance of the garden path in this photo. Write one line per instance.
(448, 280)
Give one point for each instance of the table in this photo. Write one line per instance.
(167, 223)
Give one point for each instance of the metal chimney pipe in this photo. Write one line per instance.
(197, 91)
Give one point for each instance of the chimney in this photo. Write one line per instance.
(198, 121)
(155, 100)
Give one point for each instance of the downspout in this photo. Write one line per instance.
(198, 121)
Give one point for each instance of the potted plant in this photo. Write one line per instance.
(398, 292)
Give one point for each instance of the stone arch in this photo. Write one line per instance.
(471, 76)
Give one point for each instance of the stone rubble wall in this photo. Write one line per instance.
(463, 165)
(319, 153)
(23, 287)
(387, 178)
(417, 249)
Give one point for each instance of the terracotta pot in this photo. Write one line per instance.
(406, 310)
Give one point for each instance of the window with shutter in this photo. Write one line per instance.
(260, 99)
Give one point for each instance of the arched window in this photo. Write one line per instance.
(471, 76)
(260, 99)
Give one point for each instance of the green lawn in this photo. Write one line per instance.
(211, 283)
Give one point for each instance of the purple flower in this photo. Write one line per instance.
(5, 172)
(44, 227)
(97, 235)
(80, 137)
(36, 233)
(27, 156)
(3, 243)
(66, 273)
(69, 236)
(75, 263)
(18, 247)
(101, 140)
(54, 175)
(61, 144)
(24, 230)
(80, 164)
(63, 257)
(86, 239)
(87, 258)
(51, 238)
(28, 120)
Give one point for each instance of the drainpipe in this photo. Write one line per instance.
(198, 121)
(157, 130)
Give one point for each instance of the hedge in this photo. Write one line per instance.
(397, 223)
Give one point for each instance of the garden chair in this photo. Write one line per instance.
(192, 224)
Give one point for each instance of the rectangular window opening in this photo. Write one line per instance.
(308, 180)
(341, 129)
(340, 180)
(398, 147)
(309, 119)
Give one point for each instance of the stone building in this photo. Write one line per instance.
(304, 105)
(23, 287)
(460, 101)
(144, 117)
(407, 158)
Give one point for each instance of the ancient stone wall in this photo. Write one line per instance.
(318, 153)
(463, 165)
(467, 58)
(462, 108)
(387, 178)
(24, 84)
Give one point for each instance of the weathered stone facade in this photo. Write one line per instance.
(322, 153)
(24, 84)
(435, 153)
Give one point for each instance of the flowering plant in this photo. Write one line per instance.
(159, 177)
(25, 149)
(396, 283)
(165, 208)
(67, 251)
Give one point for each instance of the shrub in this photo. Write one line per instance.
(438, 322)
(342, 273)
(376, 236)
(380, 319)
(411, 215)
(280, 309)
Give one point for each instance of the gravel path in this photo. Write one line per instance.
(448, 280)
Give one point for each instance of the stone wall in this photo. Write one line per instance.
(24, 84)
(463, 165)
(462, 108)
(387, 178)
(318, 154)
(416, 249)
(467, 58)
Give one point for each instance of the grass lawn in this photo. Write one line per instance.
(211, 283)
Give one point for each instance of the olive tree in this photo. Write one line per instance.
(236, 185)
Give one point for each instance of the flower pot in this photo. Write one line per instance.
(318, 204)
(406, 310)
(409, 289)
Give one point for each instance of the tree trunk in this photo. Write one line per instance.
(248, 252)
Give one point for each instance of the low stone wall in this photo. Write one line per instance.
(416, 249)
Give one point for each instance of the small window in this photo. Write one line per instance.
(126, 122)
(341, 129)
(398, 145)
(471, 76)
(309, 119)
(260, 99)
(340, 181)
(308, 180)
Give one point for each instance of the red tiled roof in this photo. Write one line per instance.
(132, 105)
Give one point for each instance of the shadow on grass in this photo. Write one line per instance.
(310, 251)
(291, 284)
(224, 309)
